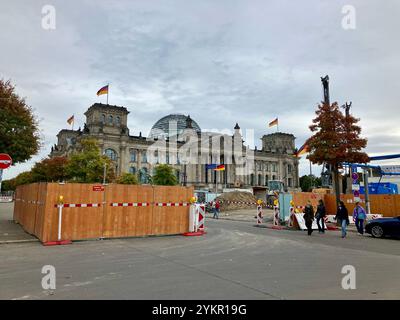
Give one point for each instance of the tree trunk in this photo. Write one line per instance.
(335, 172)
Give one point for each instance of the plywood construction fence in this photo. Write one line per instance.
(387, 205)
(94, 211)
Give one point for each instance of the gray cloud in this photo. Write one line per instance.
(221, 62)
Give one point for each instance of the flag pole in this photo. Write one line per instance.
(108, 90)
(73, 121)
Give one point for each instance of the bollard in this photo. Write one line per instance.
(60, 206)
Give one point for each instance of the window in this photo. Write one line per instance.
(289, 168)
(133, 155)
(117, 121)
(259, 165)
(103, 119)
(144, 156)
(266, 180)
(252, 179)
(290, 182)
(111, 154)
(156, 156)
(259, 179)
(274, 167)
(143, 176)
(132, 170)
(167, 158)
(267, 167)
(110, 119)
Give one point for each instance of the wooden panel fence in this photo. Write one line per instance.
(115, 211)
(387, 205)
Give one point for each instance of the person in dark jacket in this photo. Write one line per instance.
(320, 215)
(342, 216)
(309, 217)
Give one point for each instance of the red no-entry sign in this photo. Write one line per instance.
(5, 161)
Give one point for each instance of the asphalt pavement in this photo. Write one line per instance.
(234, 260)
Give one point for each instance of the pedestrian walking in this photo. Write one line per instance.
(309, 217)
(217, 206)
(342, 216)
(320, 216)
(214, 210)
(359, 216)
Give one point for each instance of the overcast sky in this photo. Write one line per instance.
(222, 62)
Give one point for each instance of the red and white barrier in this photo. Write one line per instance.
(78, 205)
(171, 204)
(276, 216)
(129, 204)
(292, 217)
(259, 215)
(6, 198)
(197, 215)
(276, 222)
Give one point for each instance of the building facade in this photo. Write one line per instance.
(177, 140)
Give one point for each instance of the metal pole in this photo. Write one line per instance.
(104, 173)
(1, 178)
(60, 206)
(367, 203)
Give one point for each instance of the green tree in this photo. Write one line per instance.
(18, 127)
(8, 185)
(307, 183)
(87, 164)
(23, 178)
(51, 170)
(127, 178)
(164, 175)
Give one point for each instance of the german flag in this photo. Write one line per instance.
(220, 167)
(103, 90)
(273, 123)
(70, 120)
(303, 149)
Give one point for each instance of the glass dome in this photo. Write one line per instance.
(172, 125)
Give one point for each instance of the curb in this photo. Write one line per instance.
(18, 241)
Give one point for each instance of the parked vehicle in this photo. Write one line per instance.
(382, 227)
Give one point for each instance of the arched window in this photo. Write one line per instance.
(110, 119)
(133, 155)
(143, 175)
(144, 156)
(259, 179)
(266, 180)
(252, 179)
(117, 120)
(111, 154)
(132, 170)
(103, 119)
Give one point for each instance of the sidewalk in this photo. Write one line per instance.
(248, 215)
(11, 232)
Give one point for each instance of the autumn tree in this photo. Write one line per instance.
(87, 164)
(352, 140)
(19, 133)
(51, 170)
(335, 140)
